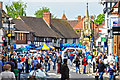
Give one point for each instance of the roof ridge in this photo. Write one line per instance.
(31, 17)
(26, 24)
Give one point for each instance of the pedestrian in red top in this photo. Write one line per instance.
(84, 63)
(22, 59)
(41, 58)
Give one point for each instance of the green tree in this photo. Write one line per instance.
(39, 13)
(16, 8)
(100, 18)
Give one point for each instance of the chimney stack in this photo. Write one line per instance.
(91, 17)
(79, 17)
(1, 5)
(47, 17)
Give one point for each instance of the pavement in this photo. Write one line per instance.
(52, 75)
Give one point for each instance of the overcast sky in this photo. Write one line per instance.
(72, 8)
(55, 0)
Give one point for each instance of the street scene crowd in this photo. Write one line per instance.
(38, 64)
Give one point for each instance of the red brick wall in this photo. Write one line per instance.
(1, 5)
(47, 17)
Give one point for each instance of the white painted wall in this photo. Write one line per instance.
(1, 34)
(99, 40)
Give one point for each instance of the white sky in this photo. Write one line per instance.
(55, 0)
(72, 8)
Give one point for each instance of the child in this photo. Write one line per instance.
(16, 71)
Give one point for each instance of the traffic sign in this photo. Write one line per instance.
(3, 38)
(103, 39)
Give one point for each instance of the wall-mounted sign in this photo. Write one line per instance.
(102, 31)
(103, 39)
(115, 24)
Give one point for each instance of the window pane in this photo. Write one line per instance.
(41, 40)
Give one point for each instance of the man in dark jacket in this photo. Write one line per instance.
(77, 62)
(101, 69)
(64, 71)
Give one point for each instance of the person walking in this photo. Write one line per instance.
(20, 68)
(49, 63)
(101, 69)
(84, 63)
(77, 62)
(89, 62)
(35, 61)
(7, 74)
(111, 71)
(41, 58)
(27, 65)
(46, 63)
(1, 64)
(16, 71)
(64, 71)
(117, 63)
(38, 72)
(59, 61)
(54, 58)
(11, 63)
(71, 58)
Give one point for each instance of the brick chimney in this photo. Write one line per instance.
(91, 17)
(1, 5)
(47, 17)
(79, 17)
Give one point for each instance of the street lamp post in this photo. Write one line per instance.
(8, 33)
(92, 42)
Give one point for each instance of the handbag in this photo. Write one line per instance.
(33, 76)
(116, 73)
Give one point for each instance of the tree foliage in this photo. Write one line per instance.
(16, 8)
(39, 13)
(100, 18)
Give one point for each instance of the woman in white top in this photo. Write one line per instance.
(38, 73)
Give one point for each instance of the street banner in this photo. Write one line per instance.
(102, 31)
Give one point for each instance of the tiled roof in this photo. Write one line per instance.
(73, 22)
(63, 28)
(21, 26)
(39, 26)
(80, 24)
(59, 28)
